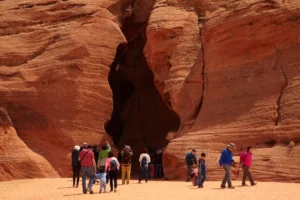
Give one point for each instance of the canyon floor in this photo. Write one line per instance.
(36, 189)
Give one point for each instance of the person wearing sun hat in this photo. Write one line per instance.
(225, 161)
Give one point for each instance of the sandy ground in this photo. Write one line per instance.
(48, 189)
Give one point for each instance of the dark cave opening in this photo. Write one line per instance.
(140, 117)
(122, 89)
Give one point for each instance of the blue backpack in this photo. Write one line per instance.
(113, 165)
(144, 161)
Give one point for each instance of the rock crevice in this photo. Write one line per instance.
(278, 102)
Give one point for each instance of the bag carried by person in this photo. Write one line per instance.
(127, 158)
(113, 165)
(144, 161)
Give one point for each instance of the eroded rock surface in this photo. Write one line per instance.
(227, 70)
(54, 64)
(250, 83)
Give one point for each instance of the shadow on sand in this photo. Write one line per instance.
(68, 195)
(64, 188)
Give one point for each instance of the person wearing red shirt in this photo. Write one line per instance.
(88, 168)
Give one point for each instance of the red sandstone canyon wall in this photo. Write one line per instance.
(209, 71)
(230, 69)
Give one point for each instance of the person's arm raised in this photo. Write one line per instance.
(108, 146)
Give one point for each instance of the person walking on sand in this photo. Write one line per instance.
(144, 163)
(113, 169)
(102, 177)
(103, 155)
(226, 161)
(126, 155)
(201, 170)
(190, 160)
(88, 168)
(246, 161)
(75, 165)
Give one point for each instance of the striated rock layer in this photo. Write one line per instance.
(208, 72)
(54, 64)
(239, 82)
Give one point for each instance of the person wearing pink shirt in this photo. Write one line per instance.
(113, 167)
(246, 161)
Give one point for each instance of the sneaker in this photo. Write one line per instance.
(111, 191)
(253, 184)
(139, 182)
(223, 187)
(231, 187)
(100, 191)
(115, 190)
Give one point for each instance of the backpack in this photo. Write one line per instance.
(144, 161)
(113, 165)
(126, 158)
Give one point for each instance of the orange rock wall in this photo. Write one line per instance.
(228, 69)
(54, 64)
(248, 90)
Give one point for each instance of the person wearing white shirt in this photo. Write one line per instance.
(144, 163)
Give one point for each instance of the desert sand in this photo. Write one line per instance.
(48, 189)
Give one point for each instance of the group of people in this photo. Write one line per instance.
(198, 174)
(105, 167)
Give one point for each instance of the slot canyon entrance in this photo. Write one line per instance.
(140, 117)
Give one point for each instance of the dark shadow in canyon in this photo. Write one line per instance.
(140, 117)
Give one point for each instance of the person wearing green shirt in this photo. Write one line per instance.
(103, 155)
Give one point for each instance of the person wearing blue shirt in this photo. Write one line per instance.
(225, 162)
(201, 170)
(190, 159)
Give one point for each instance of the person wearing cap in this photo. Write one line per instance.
(84, 146)
(190, 160)
(246, 161)
(88, 168)
(226, 161)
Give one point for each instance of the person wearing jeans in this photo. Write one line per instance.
(225, 162)
(87, 172)
(190, 159)
(88, 168)
(246, 161)
(144, 163)
(113, 166)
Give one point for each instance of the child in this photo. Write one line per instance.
(194, 176)
(201, 170)
(102, 177)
